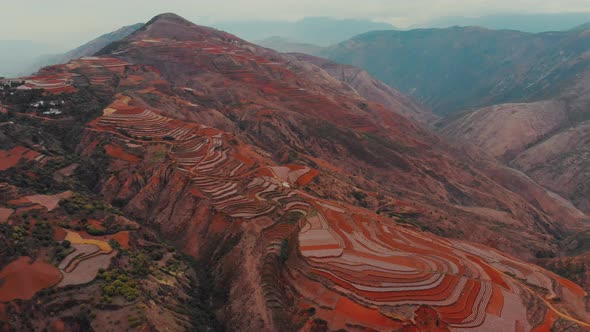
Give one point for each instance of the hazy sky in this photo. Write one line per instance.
(71, 22)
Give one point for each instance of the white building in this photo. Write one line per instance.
(52, 111)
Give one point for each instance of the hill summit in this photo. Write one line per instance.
(204, 182)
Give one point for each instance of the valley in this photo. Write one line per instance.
(197, 181)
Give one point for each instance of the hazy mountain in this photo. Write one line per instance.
(457, 68)
(195, 181)
(285, 45)
(87, 49)
(533, 23)
(17, 55)
(584, 26)
(373, 89)
(548, 139)
(320, 31)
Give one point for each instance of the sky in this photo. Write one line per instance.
(68, 23)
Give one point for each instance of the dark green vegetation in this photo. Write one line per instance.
(27, 238)
(80, 205)
(569, 269)
(151, 273)
(375, 150)
(38, 177)
(462, 68)
(118, 283)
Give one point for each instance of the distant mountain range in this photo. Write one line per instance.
(533, 23)
(16, 55)
(321, 31)
(306, 35)
(89, 48)
(584, 26)
(458, 68)
(281, 44)
(195, 181)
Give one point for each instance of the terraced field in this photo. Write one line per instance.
(394, 271)
(50, 202)
(358, 268)
(216, 169)
(10, 158)
(54, 83)
(82, 265)
(22, 278)
(344, 266)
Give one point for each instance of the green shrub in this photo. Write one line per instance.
(156, 255)
(284, 253)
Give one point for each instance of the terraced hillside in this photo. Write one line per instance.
(353, 267)
(68, 260)
(298, 113)
(305, 205)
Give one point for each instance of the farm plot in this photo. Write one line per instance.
(21, 279)
(10, 158)
(216, 169)
(51, 82)
(381, 266)
(5, 213)
(50, 202)
(82, 265)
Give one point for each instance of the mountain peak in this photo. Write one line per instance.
(169, 18)
(171, 27)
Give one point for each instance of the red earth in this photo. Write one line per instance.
(10, 158)
(21, 279)
(213, 121)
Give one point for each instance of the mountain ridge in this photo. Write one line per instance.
(481, 68)
(306, 205)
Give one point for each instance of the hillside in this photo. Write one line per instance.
(297, 202)
(373, 89)
(546, 139)
(584, 26)
(457, 69)
(526, 22)
(87, 49)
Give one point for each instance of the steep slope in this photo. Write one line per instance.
(69, 261)
(298, 195)
(457, 68)
(87, 49)
(506, 130)
(546, 140)
(372, 89)
(297, 111)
